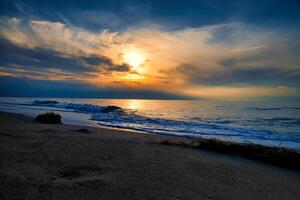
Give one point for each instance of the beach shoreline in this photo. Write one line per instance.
(43, 161)
(250, 122)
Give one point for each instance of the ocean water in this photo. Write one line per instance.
(262, 122)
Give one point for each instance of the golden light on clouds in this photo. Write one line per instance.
(132, 76)
(192, 61)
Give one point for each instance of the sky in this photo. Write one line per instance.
(191, 49)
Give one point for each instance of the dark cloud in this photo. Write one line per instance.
(20, 87)
(267, 76)
(256, 76)
(121, 68)
(40, 59)
(96, 60)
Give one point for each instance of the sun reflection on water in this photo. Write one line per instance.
(134, 104)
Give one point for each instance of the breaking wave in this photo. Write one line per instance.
(228, 129)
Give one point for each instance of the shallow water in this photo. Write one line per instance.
(269, 123)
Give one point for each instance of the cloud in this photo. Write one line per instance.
(258, 76)
(53, 35)
(41, 62)
(232, 54)
(121, 68)
(227, 54)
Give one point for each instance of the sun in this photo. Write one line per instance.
(134, 58)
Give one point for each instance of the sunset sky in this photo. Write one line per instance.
(150, 49)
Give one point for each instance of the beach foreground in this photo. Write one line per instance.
(40, 161)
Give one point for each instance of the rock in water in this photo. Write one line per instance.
(49, 118)
(44, 102)
(108, 109)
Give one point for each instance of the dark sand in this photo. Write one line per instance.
(39, 161)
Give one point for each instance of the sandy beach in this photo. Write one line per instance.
(41, 161)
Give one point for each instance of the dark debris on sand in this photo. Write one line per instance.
(280, 156)
(83, 130)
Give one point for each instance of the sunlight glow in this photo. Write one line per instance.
(134, 58)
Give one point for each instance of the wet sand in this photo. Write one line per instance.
(41, 161)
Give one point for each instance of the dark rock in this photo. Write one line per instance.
(109, 109)
(49, 118)
(44, 102)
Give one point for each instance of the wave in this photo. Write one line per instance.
(229, 129)
(274, 108)
(85, 108)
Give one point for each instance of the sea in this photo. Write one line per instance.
(271, 123)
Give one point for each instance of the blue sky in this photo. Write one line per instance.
(248, 48)
(176, 14)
